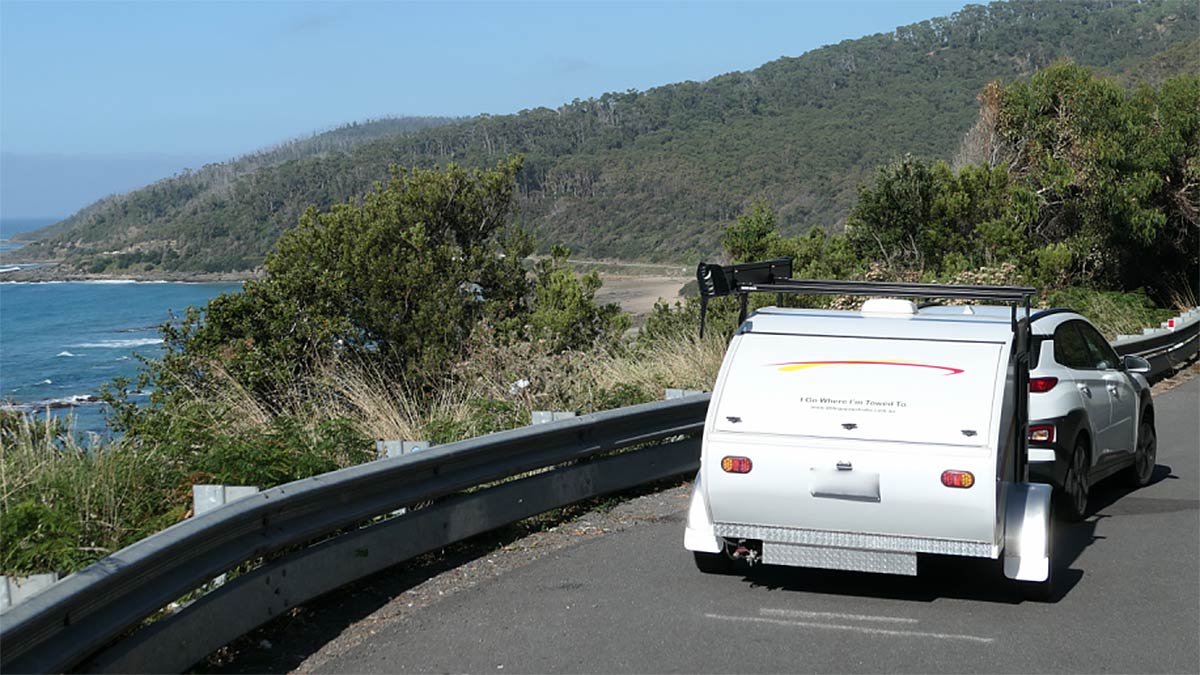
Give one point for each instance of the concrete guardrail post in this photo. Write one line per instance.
(17, 589)
(544, 416)
(206, 498)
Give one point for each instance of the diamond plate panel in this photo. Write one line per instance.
(883, 562)
(856, 540)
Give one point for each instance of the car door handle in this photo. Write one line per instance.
(1112, 389)
(1085, 390)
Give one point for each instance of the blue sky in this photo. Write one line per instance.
(113, 86)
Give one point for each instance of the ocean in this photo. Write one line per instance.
(60, 341)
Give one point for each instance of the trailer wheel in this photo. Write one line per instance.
(713, 563)
(1073, 501)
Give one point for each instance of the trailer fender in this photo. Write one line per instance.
(1027, 532)
(699, 535)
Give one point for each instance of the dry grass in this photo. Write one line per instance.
(688, 363)
(496, 387)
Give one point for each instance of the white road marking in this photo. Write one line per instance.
(853, 629)
(800, 614)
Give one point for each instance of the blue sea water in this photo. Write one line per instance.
(60, 341)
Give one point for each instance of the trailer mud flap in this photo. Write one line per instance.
(1027, 532)
(699, 535)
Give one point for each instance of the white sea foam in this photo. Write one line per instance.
(64, 353)
(66, 402)
(126, 281)
(52, 403)
(46, 381)
(120, 344)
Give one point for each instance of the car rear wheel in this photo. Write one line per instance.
(1145, 456)
(1074, 496)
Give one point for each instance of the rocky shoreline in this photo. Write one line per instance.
(52, 271)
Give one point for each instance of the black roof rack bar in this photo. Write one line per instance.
(774, 276)
(1015, 294)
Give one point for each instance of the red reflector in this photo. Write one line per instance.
(736, 465)
(958, 479)
(1041, 385)
(1041, 433)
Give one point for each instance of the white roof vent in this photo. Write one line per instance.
(889, 306)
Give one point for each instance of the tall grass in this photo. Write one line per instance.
(1114, 313)
(65, 505)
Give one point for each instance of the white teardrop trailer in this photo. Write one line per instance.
(856, 440)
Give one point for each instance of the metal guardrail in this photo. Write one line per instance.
(1165, 348)
(92, 620)
(89, 620)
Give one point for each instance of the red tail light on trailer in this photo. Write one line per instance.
(958, 479)
(736, 465)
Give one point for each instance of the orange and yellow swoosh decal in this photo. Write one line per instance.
(803, 365)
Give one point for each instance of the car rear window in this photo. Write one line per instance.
(906, 390)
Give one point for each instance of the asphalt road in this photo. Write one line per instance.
(1127, 600)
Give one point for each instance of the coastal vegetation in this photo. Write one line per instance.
(653, 174)
(410, 314)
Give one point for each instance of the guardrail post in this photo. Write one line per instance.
(385, 449)
(544, 416)
(16, 589)
(205, 498)
(399, 448)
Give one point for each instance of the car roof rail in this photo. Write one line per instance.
(1043, 313)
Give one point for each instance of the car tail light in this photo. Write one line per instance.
(736, 465)
(1041, 433)
(1041, 385)
(958, 479)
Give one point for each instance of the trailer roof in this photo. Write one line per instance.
(985, 325)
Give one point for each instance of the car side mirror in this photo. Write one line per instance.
(1135, 364)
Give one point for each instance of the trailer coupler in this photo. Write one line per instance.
(749, 550)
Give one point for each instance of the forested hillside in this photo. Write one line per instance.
(221, 175)
(653, 175)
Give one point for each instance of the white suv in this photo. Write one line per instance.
(1090, 410)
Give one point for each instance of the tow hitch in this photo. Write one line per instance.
(748, 550)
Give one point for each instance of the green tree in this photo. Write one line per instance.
(565, 311)
(1111, 174)
(399, 280)
(749, 237)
